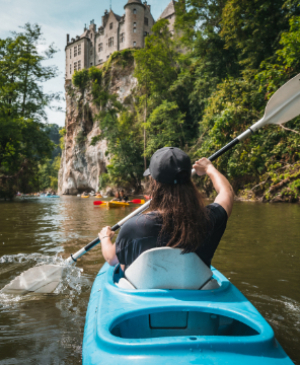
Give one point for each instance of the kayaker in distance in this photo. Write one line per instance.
(117, 197)
(120, 197)
(124, 197)
(178, 216)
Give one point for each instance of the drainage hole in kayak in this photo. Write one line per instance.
(180, 323)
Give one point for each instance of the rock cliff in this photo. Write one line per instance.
(81, 163)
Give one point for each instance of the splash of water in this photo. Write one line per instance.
(22, 258)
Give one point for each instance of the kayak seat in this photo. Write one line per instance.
(168, 268)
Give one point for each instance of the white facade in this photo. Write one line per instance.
(116, 33)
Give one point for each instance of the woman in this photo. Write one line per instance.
(178, 217)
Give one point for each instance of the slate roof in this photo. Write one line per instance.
(118, 17)
(169, 10)
(133, 2)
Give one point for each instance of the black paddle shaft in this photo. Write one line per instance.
(224, 149)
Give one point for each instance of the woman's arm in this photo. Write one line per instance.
(225, 192)
(108, 248)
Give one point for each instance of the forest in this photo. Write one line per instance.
(200, 88)
(29, 147)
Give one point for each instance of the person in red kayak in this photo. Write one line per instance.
(177, 215)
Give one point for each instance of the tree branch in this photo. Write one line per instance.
(288, 129)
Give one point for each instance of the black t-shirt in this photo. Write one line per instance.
(141, 233)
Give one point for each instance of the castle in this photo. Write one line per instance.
(116, 33)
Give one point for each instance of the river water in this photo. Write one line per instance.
(259, 253)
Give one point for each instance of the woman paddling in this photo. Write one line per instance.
(177, 217)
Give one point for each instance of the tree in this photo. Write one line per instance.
(24, 143)
(156, 69)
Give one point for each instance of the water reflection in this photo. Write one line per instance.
(259, 253)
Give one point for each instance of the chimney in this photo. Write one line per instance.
(68, 38)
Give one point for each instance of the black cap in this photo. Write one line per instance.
(168, 164)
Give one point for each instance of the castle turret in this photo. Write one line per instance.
(134, 24)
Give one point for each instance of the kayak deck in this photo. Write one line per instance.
(218, 326)
(117, 204)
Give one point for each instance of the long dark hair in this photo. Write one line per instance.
(184, 218)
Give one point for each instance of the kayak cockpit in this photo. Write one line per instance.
(180, 322)
(167, 268)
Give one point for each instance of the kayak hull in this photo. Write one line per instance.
(117, 204)
(129, 327)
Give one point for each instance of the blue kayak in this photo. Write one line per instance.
(50, 196)
(167, 327)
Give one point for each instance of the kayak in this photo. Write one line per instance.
(117, 204)
(98, 196)
(50, 196)
(165, 327)
(84, 197)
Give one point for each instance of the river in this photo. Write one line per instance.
(259, 253)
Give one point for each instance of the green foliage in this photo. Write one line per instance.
(165, 128)
(48, 174)
(24, 140)
(94, 75)
(62, 133)
(254, 28)
(80, 79)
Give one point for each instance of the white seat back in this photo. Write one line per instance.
(168, 268)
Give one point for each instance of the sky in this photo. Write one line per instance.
(57, 18)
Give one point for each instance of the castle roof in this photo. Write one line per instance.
(169, 10)
(134, 2)
(118, 17)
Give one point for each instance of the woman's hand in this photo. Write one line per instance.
(105, 233)
(202, 166)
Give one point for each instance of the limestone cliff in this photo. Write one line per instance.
(81, 163)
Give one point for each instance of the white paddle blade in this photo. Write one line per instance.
(283, 106)
(40, 279)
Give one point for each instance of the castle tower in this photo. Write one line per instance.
(134, 24)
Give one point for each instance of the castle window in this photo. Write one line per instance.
(100, 61)
(79, 49)
(122, 38)
(79, 65)
(134, 30)
(70, 52)
(134, 11)
(91, 63)
(134, 44)
(70, 68)
(75, 66)
(145, 34)
(75, 51)
(146, 21)
(110, 41)
(111, 25)
(100, 47)
(134, 24)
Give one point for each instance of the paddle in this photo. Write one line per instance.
(137, 201)
(99, 202)
(282, 107)
(134, 201)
